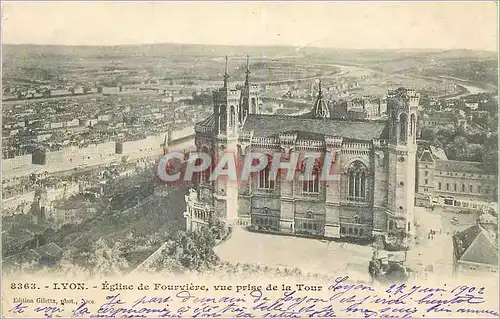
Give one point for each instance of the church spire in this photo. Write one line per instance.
(320, 108)
(226, 75)
(247, 78)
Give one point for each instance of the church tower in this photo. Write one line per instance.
(226, 107)
(402, 107)
(250, 101)
(225, 141)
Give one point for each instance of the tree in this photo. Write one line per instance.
(68, 266)
(217, 227)
(490, 160)
(106, 260)
(429, 134)
(194, 250)
(457, 149)
(167, 261)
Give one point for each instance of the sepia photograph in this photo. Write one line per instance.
(321, 159)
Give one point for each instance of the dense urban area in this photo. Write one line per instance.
(83, 128)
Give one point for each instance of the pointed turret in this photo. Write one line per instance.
(247, 72)
(320, 109)
(226, 76)
(250, 101)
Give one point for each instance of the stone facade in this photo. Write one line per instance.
(359, 108)
(455, 184)
(374, 160)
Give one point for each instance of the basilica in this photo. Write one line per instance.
(375, 159)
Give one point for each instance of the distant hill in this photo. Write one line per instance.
(466, 64)
(465, 54)
(151, 50)
(169, 49)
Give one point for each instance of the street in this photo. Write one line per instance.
(309, 255)
(435, 253)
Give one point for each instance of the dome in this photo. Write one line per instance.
(320, 109)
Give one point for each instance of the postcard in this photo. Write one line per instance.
(249, 159)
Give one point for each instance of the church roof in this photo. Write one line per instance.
(459, 166)
(476, 244)
(321, 109)
(269, 125)
(438, 152)
(209, 121)
(426, 156)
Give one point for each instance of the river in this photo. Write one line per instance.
(468, 85)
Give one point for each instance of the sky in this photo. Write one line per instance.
(355, 25)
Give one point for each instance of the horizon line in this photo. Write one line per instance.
(248, 45)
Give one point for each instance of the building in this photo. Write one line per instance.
(46, 255)
(476, 248)
(454, 184)
(472, 105)
(358, 108)
(445, 118)
(356, 114)
(340, 109)
(375, 160)
(72, 212)
(374, 107)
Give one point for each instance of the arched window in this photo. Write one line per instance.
(244, 111)
(254, 106)
(391, 224)
(311, 184)
(463, 187)
(403, 127)
(455, 187)
(394, 126)
(479, 189)
(265, 182)
(470, 188)
(447, 186)
(205, 175)
(356, 184)
(232, 115)
(222, 118)
(263, 178)
(413, 126)
(356, 219)
(439, 185)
